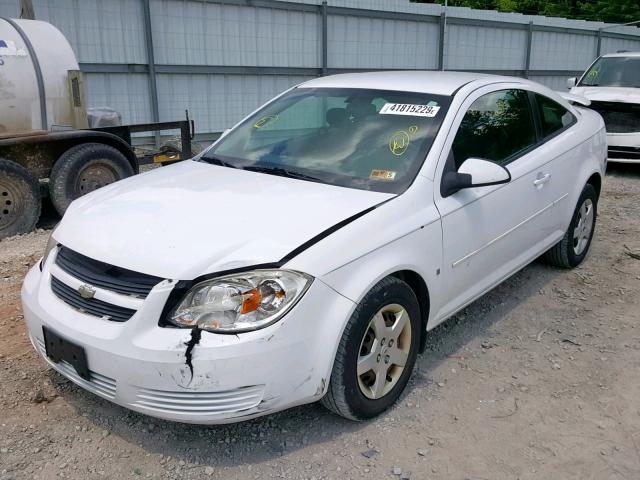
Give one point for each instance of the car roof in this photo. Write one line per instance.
(434, 82)
(622, 54)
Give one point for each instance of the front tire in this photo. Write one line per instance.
(376, 353)
(574, 246)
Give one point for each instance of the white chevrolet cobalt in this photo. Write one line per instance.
(307, 253)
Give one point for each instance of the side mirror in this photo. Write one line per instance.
(571, 82)
(474, 172)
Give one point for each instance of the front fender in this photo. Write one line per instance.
(405, 233)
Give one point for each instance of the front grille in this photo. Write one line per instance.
(631, 153)
(103, 275)
(619, 117)
(91, 306)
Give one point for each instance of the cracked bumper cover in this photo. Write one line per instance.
(142, 366)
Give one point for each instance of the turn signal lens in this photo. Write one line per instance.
(252, 301)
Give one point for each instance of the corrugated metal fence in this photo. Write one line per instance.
(152, 59)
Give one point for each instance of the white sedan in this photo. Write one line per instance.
(308, 252)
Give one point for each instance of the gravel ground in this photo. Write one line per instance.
(539, 379)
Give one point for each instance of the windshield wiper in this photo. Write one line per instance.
(214, 160)
(281, 172)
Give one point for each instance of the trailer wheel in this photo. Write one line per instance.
(83, 169)
(19, 199)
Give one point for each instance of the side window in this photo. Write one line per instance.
(496, 127)
(553, 116)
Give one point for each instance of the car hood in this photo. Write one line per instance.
(193, 218)
(609, 94)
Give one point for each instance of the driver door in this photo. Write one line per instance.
(490, 232)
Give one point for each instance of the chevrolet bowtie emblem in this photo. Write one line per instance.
(86, 291)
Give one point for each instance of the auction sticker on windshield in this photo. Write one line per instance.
(409, 109)
(388, 175)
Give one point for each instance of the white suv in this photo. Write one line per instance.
(612, 83)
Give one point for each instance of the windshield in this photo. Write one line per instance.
(613, 72)
(366, 139)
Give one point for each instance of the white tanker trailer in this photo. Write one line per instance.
(44, 131)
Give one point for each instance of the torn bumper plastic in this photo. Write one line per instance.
(142, 366)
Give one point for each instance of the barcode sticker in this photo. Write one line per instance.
(409, 109)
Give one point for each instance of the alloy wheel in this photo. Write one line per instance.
(584, 227)
(384, 351)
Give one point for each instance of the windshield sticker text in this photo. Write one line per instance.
(399, 142)
(409, 109)
(264, 120)
(386, 175)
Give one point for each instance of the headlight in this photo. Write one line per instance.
(51, 244)
(240, 302)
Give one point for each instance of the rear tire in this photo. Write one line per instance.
(19, 199)
(83, 169)
(574, 246)
(368, 352)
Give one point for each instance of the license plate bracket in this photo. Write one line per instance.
(59, 349)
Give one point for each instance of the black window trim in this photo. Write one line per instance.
(516, 155)
(541, 138)
(534, 111)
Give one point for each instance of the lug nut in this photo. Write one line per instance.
(378, 359)
(382, 341)
(386, 359)
(390, 343)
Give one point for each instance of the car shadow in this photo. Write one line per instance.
(624, 169)
(475, 323)
(276, 435)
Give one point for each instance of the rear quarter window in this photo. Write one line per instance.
(553, 116)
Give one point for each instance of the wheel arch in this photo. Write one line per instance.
(421, 291)
(596, 181)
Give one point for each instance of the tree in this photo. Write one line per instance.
(611, 11)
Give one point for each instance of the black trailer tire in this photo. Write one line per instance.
(19, 199)
(83, 169)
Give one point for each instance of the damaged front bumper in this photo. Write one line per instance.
(190, 375)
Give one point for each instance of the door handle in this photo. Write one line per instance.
(542, 179)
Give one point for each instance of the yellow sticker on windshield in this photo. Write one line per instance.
(386, 175)
(399, 142)
(264, 120)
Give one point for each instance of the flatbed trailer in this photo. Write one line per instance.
(69, 163)
(46, 145)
